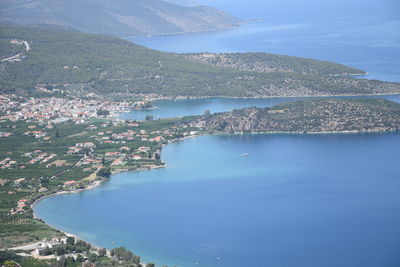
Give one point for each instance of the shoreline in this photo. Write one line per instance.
(36, 217)
(100, 182)
(150, 35)
(152, 99)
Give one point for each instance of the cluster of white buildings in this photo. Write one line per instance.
(56, 110)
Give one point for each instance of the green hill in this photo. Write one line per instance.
(116, 17)
(81, 63)
(269, 63)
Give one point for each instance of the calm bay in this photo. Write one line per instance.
(296, 200)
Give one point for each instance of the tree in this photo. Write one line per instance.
(104, 172)
(60, 250)
(150, 265)
(82, 246)
(92, 257)
(44, 181)
(80, 258)
(8, 255)
(207, 113)
(102, 252)
(102, 112)
(9, 264)
(122, 253)
(149, 117)
(70, 240)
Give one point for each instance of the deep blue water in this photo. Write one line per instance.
(297, 200)
(184, 107)
(361, 33)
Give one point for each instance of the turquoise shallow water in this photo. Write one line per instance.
(297, 200)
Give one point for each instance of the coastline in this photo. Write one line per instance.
(152, 98)
(93, 186)
(100, 182)
(186, 32)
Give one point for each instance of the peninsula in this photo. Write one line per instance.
(54, 145)
(61, 91)
(308, 116)
(80, 65)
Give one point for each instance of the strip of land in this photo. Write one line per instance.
(72, 64)
(308, 116)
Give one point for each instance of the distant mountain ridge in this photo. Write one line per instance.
(183, 2)
(117, 17)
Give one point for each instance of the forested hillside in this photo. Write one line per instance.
(268, 63)
(34, 58)
(116, 17)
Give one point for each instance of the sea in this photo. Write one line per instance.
(294, 200)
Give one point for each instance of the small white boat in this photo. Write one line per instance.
(245, 155)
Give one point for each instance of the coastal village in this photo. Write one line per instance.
(54, 145)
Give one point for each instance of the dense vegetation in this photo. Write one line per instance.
(77, 63)
(308, 116)
(116, 17)
(121, 257)
(270, 63)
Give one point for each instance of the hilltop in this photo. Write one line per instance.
(117, 17)
(308, 116)
(78, 64)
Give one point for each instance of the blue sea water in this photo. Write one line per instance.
(361, 33)
(296, 200)
(184, 107)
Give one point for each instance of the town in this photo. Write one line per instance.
(56, 145)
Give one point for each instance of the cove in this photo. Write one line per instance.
(296, 200)
(170, 108)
